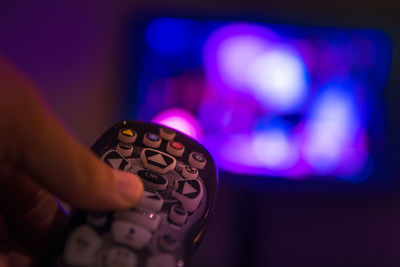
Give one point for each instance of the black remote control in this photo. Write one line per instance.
(180, 180)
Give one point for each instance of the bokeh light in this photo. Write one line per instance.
(275, 100)
(253, 60)
(180, 120)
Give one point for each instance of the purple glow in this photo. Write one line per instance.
(268, 153)
(253, 60)
(180, 120)
(274, 150)
(273, 100)
(235, 54)
(331, 128)
(278, 79)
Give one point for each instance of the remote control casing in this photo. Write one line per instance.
(165, 238)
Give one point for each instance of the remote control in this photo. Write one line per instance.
(180, 180)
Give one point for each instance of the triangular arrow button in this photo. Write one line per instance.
(158, 158)
(115, 163)
(116, 160)
(187, 189)
(157, 161)
(189, 193)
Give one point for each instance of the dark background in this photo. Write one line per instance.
(75, 50)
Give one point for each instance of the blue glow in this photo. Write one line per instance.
(168, 36)
(332, 126)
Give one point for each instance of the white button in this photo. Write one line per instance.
(161, 260)
(151, 140)
(130, 234)
(142, 217)
(81, 246)
(127, 135)
(151, 200)
(175, 148)
(153, 180)
(197, 160)
(189, 193)
(120, 257)
(96, 218)
(125, 149)
(157, 161)
(190, 172)
(178, 214)
(167, 133)
(116, 160)
(168, 243)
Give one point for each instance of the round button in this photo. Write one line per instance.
(178, 214)
(175, 148)
(168, 243)
(121, 257)
(96, 219)
(197, 160)
(190, 172)
(153, 180)
(167, 133)
(151, 140)
(125, 149)
(127, 135)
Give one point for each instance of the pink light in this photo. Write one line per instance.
(180, 120)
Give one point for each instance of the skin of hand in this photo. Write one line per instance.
(38, 159)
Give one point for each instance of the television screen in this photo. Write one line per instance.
(270, 100)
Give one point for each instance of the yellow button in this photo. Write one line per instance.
(127, 135)
(127, 132)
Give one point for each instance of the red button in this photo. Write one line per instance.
(176, 145)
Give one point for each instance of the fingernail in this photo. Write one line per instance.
(130, 187)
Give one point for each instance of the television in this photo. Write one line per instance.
(271, 101)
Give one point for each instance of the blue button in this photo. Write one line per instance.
(153, 137)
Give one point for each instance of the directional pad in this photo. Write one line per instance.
(157, 161)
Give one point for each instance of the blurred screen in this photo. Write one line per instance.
(270, 100)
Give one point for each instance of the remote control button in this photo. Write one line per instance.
(197, 160)
(189, 193)
(151, 140)
(167, 133)
(127, 136)
(168, 243)
(161, 260)
(157, 161)
(96, 218)
(175, 148)
(130, 234)
(144, 218)
(190, 172)
(116, 160)
(120, 257)
(151, 200)
(178, 214)
(153, 180)
(125, 149)
(81, 246)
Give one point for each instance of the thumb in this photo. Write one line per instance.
(31, 139)
(3, 261)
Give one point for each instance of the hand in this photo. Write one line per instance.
(38, 159)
